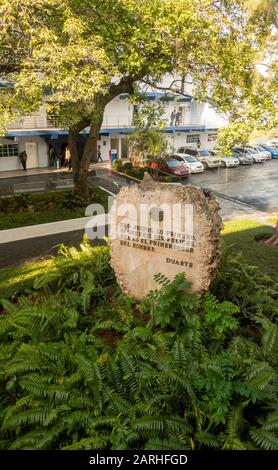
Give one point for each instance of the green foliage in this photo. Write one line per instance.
(174, 302)
(246, 286)
(82, 366)
(219, 317)
(127, 167)
(31, 209)
(118, 165)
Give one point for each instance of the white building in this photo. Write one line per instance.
(37, 132)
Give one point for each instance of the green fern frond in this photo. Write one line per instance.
(264, 439)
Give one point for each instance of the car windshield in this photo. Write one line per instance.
(173, 164)
(190, 159)
(181, 150)
(204, 153)
(252, 150)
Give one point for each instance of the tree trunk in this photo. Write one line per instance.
(81, 175)
(273, 240)
(80, 166)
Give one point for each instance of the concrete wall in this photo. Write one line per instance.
(41, 160)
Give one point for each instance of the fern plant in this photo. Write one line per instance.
(82, 368)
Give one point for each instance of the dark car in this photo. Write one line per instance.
(176, 168)
(244, 158)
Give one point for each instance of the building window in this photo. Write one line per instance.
(190, 139)
(212, 137)
(10, 150)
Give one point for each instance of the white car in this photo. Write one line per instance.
(257, 156)
(263, 151)
(190, 162)
(202, 155)
(228, 162)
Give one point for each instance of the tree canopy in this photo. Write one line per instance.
(86, 52)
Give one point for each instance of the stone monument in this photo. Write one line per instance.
(163, 228)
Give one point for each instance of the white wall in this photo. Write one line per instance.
(42, 156)
(13, 163)
(118, 113)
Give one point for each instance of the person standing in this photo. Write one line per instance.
(99, 154)
(173, 114)
(178, 118)
(63, 156)
(23, 159)
(68, 158)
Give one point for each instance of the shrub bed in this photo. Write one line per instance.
(31, 209)
(85, 367)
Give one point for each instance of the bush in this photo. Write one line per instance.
(168, 178)
(118, 165)
(85, 367)
(127, 166)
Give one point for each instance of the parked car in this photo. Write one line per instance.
(243, 158)
(263, 151)
(191, 162)
(176, 168)
(272, 150)
(202, 155)
(273, 143)
(257, 157)
(226, 161)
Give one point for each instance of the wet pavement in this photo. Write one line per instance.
(256, 185)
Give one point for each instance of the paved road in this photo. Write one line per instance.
(37, 249)
(256, 185)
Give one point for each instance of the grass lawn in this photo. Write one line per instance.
(240, 233)
(42, 208)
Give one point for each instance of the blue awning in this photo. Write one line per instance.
(39, 132)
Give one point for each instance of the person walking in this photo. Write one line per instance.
(52, 156)
(99, 154)
(23, 159)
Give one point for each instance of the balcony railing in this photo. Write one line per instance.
(116, 120)
(51, 121)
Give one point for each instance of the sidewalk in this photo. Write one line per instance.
(52, 228)
(42, 171)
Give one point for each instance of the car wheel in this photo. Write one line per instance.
(205, 165)
(223, 164)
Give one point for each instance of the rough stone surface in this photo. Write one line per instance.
(136, 252)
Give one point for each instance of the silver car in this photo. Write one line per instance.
(263, 151)
(257, 156)
(228, 162)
